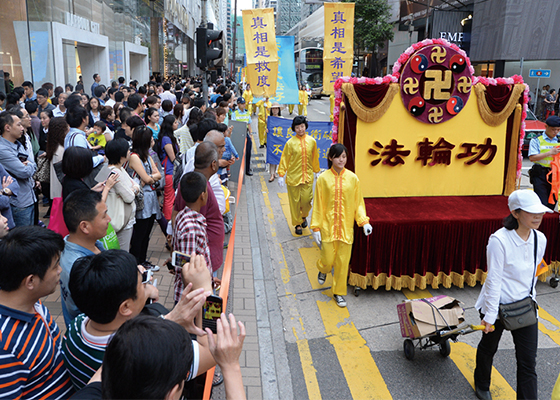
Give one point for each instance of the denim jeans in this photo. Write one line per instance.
(23, 216)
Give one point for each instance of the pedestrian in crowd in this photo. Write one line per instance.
(57, 90)
(58, 128)
(303, 101)
(29, 91)
(230, 154)
(60, 110)
(77, 118)
(338, 202)
(32, 109)
(243, 115)
(275, 111)
(30, 271)
(184, 134)
(513, 254)
(96, 137)
(16, 161)
(120, 201)
(10, 187)
(2, 100)
(96, 80)
(87, 220)
(93, 108)
(179, 112)
(151, 118)
(111, 101)
(166, 109)
(8, 84)
(300, 159)
(542, 149)
(43, 98)
(264, 110)
(107, 116)
(549, 102)
(111, 289)
(68, 88)
(45, 119)
(167, 149)
(127, 127)
(145, 173)
(248, 97)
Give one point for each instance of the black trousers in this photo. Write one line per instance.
(526, 342)
(540, 185)
(141, 238)
(248, 148)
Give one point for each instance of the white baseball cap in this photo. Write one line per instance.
(528, 201)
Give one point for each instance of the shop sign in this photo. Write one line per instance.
(85, 24)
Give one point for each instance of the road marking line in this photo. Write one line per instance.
(309, 371)
(553, 334)
(268, 205)
(464, 357)
(285, 203)
(359, 368)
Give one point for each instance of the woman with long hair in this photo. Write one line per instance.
(186, 141)
(144, 171)
(58, 128)
(151, 117)
(179, 112)
(167, 149)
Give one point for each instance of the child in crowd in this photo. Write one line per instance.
(189, 232)
(97, 137)
(338, 203)
(300, 159)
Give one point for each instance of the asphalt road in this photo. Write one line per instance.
(324, 352)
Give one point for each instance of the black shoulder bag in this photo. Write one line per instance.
(522, 313)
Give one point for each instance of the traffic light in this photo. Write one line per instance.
(207, 49)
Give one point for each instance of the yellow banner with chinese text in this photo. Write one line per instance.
(338, 51)
(419, 159)
(261, 50)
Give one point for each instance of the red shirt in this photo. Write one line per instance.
(214, 225)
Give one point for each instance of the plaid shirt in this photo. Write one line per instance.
(189, 236)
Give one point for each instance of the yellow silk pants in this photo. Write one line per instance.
(336, 254)
(262, 132)
(300, 197)
(291, 108)
(302, 109)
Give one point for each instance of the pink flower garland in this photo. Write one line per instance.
(394, 78)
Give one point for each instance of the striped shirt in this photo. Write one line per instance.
(189, 237)
(31, 363)
(83, 353)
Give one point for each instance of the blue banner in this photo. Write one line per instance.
(286, 85)
(280, 131)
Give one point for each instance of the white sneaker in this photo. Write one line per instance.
(339, 301)
(321, 278)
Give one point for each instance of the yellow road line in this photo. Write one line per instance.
(464, 357)
(359, 368)
(284, 202)
(268, 205)
(284, 271)
(553, 334)
(309, 371)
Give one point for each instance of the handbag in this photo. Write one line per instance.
(115, 205)
(521, 313)
(43, 172)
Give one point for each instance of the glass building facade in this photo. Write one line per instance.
(58, 41)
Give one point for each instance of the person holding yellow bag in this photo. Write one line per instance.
(338, 203)
(264, 105)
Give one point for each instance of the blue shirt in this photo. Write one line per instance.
(535, 146)
(5, 208)
(78, 138)
(71, 253)
(22, 173)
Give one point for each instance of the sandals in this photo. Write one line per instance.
(299, 231)
(272, 178)
(218, 379)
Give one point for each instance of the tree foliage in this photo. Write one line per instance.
(371, 26)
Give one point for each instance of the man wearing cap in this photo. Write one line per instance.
(542, 149)
(243, 116)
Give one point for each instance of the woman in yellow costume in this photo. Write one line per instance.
(303, 101)
(248, 96)
(300, 159)
(338, 203)
(264, 107)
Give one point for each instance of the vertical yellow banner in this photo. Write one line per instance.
(261, 50)
(338, 52)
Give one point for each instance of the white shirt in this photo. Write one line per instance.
(110, 103)
(511, 269)
(58, 113)
(167, 95)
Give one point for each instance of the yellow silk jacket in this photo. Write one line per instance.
(303, 98)
(264, 109)
(337, 204)
(300, 158)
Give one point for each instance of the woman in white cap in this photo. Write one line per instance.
(513, 253)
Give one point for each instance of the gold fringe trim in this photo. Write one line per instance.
(341, 115)
(554, 266)
(368, 114)
(511, 172)
(418, 281)
(488, 116)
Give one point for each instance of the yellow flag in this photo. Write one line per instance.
(338, 52)
(261, 51)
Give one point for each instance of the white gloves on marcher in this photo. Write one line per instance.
(281, 182)
(367, 229)
(317, 237)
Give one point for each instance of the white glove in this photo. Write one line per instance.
(317, 237)
(367, 229)
(281, 182)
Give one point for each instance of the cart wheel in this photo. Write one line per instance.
(408, 347)
(357, 290)
(553, 282)
(444, 348)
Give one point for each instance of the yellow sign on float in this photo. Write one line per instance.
(338, 51)
(460, 157)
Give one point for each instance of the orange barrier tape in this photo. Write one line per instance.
(226, 275)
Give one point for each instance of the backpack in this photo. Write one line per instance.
(178, 168)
